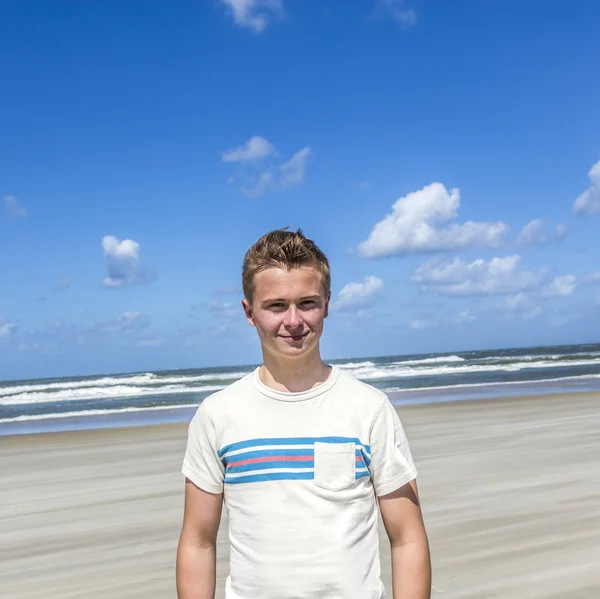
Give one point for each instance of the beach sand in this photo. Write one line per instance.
(510, 491)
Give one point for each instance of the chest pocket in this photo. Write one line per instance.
(335, 465)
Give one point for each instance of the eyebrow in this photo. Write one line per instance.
(280, 299)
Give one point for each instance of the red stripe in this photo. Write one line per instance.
(276, 458)
(272, 458)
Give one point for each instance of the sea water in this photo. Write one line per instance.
(173, 395)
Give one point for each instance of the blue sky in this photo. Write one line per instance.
(445, 155)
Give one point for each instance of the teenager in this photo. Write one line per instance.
(303, 455)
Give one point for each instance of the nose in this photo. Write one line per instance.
(293, 318)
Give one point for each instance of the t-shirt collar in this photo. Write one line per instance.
(298, 395)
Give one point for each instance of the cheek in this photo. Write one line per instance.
(266, 322)
(316, 319)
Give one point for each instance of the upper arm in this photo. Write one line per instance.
(201, 516)
(402, 516)
(391, 465)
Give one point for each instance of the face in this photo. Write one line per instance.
(288, 309)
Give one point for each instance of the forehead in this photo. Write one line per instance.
(281, 283)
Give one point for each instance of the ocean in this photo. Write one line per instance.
(110, 400)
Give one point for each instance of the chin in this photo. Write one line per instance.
(298, 350)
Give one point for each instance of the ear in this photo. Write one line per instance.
(327, 304)
(248, 311)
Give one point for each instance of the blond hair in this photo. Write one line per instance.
(283, 249)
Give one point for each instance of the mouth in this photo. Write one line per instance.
(294, 337)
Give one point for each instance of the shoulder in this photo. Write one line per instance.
(367, 396)
(225, 400)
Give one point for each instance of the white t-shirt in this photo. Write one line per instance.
(300, 473)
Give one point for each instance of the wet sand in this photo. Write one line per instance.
(510, 491)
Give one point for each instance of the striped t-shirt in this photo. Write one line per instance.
(300, 473)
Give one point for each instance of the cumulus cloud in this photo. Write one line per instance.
(13, 207)
(498, 276)
(254, 14)
(419, 223)
(540, 232)
(561, 286)
(123, 263)
(399, 10)
(292, 172)
(354, 296)
(520, 301)
(521, 305)
(256, 148)
(589, 201)
(273, 177)
(7, 329)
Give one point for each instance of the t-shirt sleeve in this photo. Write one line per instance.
(201, 463)
(392, 464)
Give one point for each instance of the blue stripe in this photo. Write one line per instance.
(290, 441)
(249, 455)
(269, 465)
(258, 478)
(268, 476)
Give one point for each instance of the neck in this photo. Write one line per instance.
(293, 375)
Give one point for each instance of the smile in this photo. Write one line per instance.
(294, 337)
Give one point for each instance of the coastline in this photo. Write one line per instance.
(509, 489)
(400, 398)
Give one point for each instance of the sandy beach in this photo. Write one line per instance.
(510, 491)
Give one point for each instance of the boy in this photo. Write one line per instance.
(301, 453)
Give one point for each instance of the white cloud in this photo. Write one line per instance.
(561, 286)
(560, 231)
(122, 262)
(536, 233)
(14, 208)
(254, 14)
(421, 323)
(278, 178)
(256, 148)
(259, 185)
(589, 201)
(355, 296)
(532, 233)
(128, 321)
(292, 172)
(521, 305)
(498, 276)
(520, 301)
(225, 310)
(398, 10)
(416, 226)
(593, 277)
(465, 316)
(6, 330)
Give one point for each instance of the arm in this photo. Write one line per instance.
(197, 549)
(403, 521)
